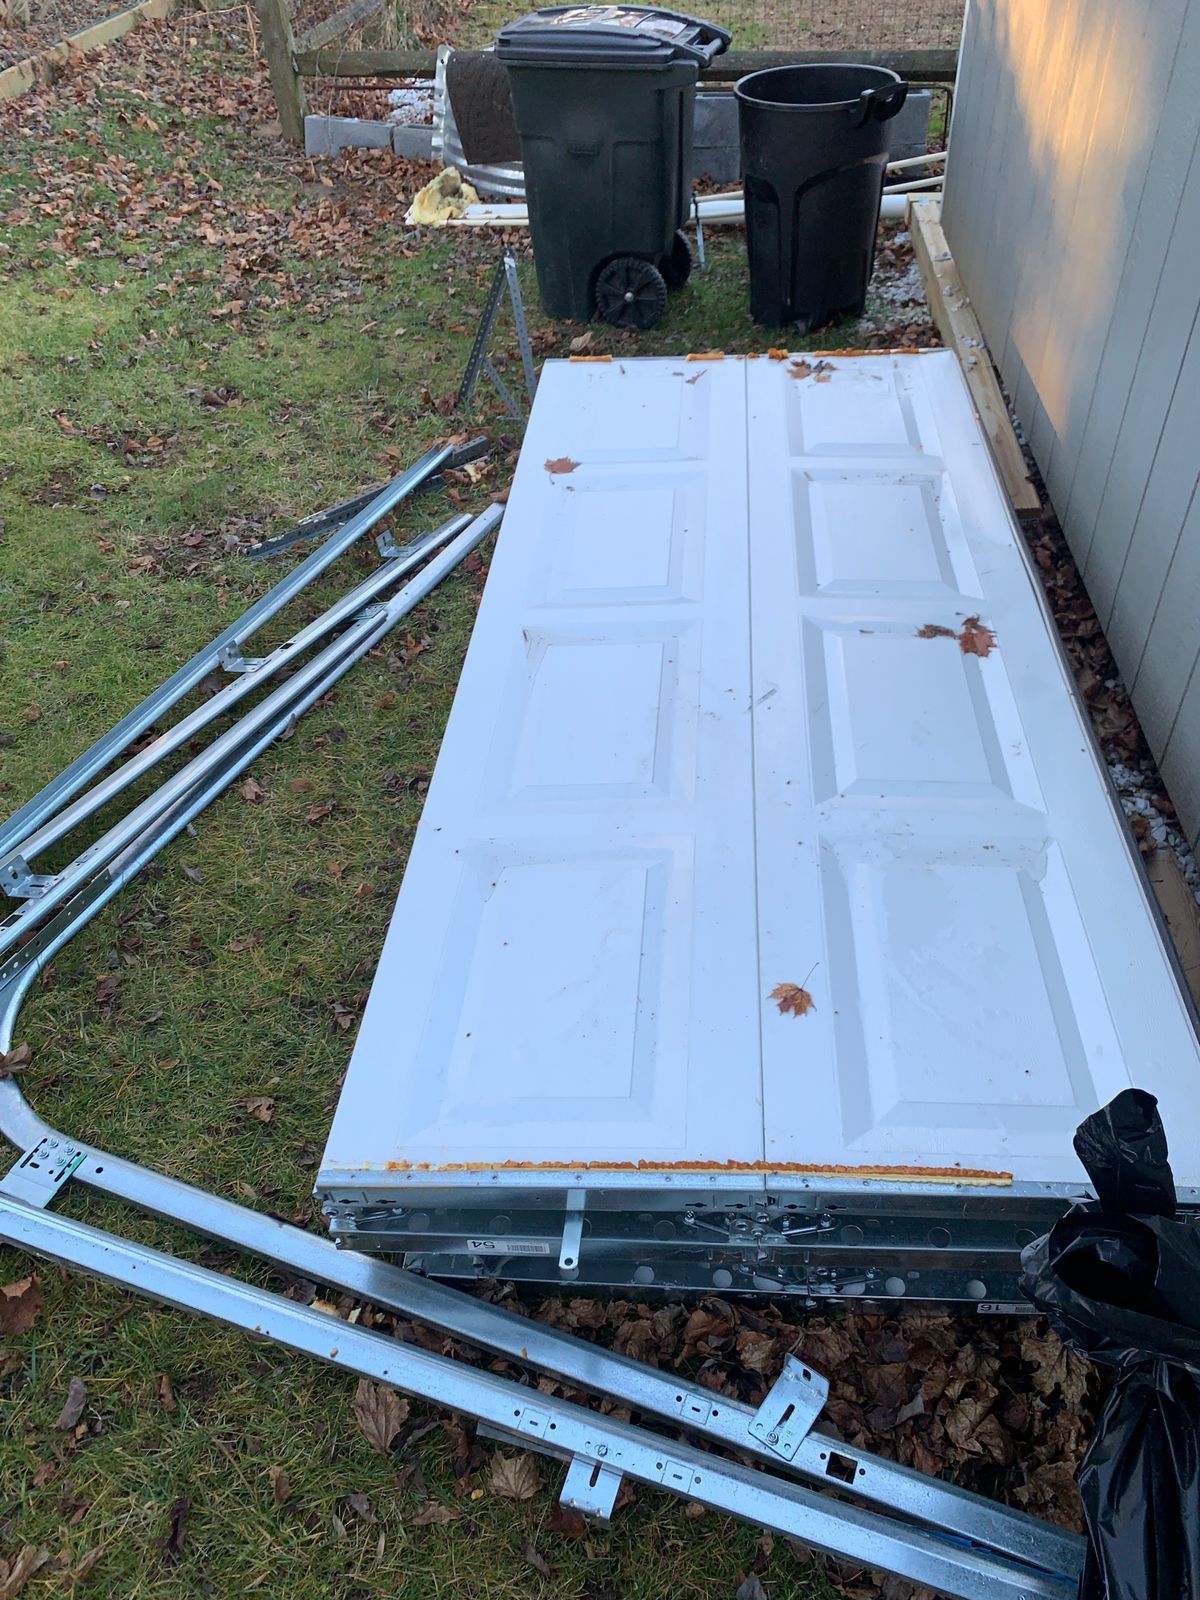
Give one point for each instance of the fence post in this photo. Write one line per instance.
(286, 83)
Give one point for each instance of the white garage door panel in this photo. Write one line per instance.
(716, 732)
(570, 975)
(939, 864)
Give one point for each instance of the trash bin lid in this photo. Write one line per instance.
(610, 35)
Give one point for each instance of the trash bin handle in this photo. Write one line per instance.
(883, 104)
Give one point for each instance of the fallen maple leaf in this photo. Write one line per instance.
(253, 791)
(514, 1477)
(791, 997)
(319, 813)
(20, 1304)
(561, 464)
(975, 639)
(1054, 1366)
(380, 1412)
(261, 1107)
(934, 630)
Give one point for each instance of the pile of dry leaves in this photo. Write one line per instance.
(107, 203)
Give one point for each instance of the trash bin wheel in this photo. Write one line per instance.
(630, 292)
(676, 265)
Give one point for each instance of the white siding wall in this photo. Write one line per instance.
(1073, 211)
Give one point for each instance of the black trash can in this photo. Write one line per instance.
(814, 150)
(604, 97)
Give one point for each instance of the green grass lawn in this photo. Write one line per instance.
(201, 337)
(123, 472)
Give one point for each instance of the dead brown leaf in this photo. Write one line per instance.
(567, 1521)
(166, 1393)
(1054, 1366)
(380, 1413)
(261, 1107)
(790, 997)
(107, 988)
(319, 813)
(751, 1589)
(176, 1531)
(559, 464)
(14, 1060)
(85, 1566)
(934, 630)
(15, 1574)
(73, 1407)
(534, 1558)
(434, 1515)
(281, 1489)
(514, 1477)
(20, 1304)
(253, 791)
(975, 639)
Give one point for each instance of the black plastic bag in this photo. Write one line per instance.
(1119, 1280)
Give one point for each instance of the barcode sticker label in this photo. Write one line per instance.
(508, 1247)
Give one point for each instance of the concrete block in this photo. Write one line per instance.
(413, 143)
(908, 133)
(325, 136)
(715, 139)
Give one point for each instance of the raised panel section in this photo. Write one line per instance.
(894, 714)
(599, 716)
(567, 1010)
(615, 538)
(851, 409)
(635, 411)
(879, 533)
(952, 1008)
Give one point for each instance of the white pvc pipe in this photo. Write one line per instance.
(916, 183)
(714, 209)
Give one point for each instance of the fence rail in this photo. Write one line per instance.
(395, 38)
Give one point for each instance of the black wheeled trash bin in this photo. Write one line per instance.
(604, 98)
(814, 152)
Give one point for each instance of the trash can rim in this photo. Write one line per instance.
(880, 74)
